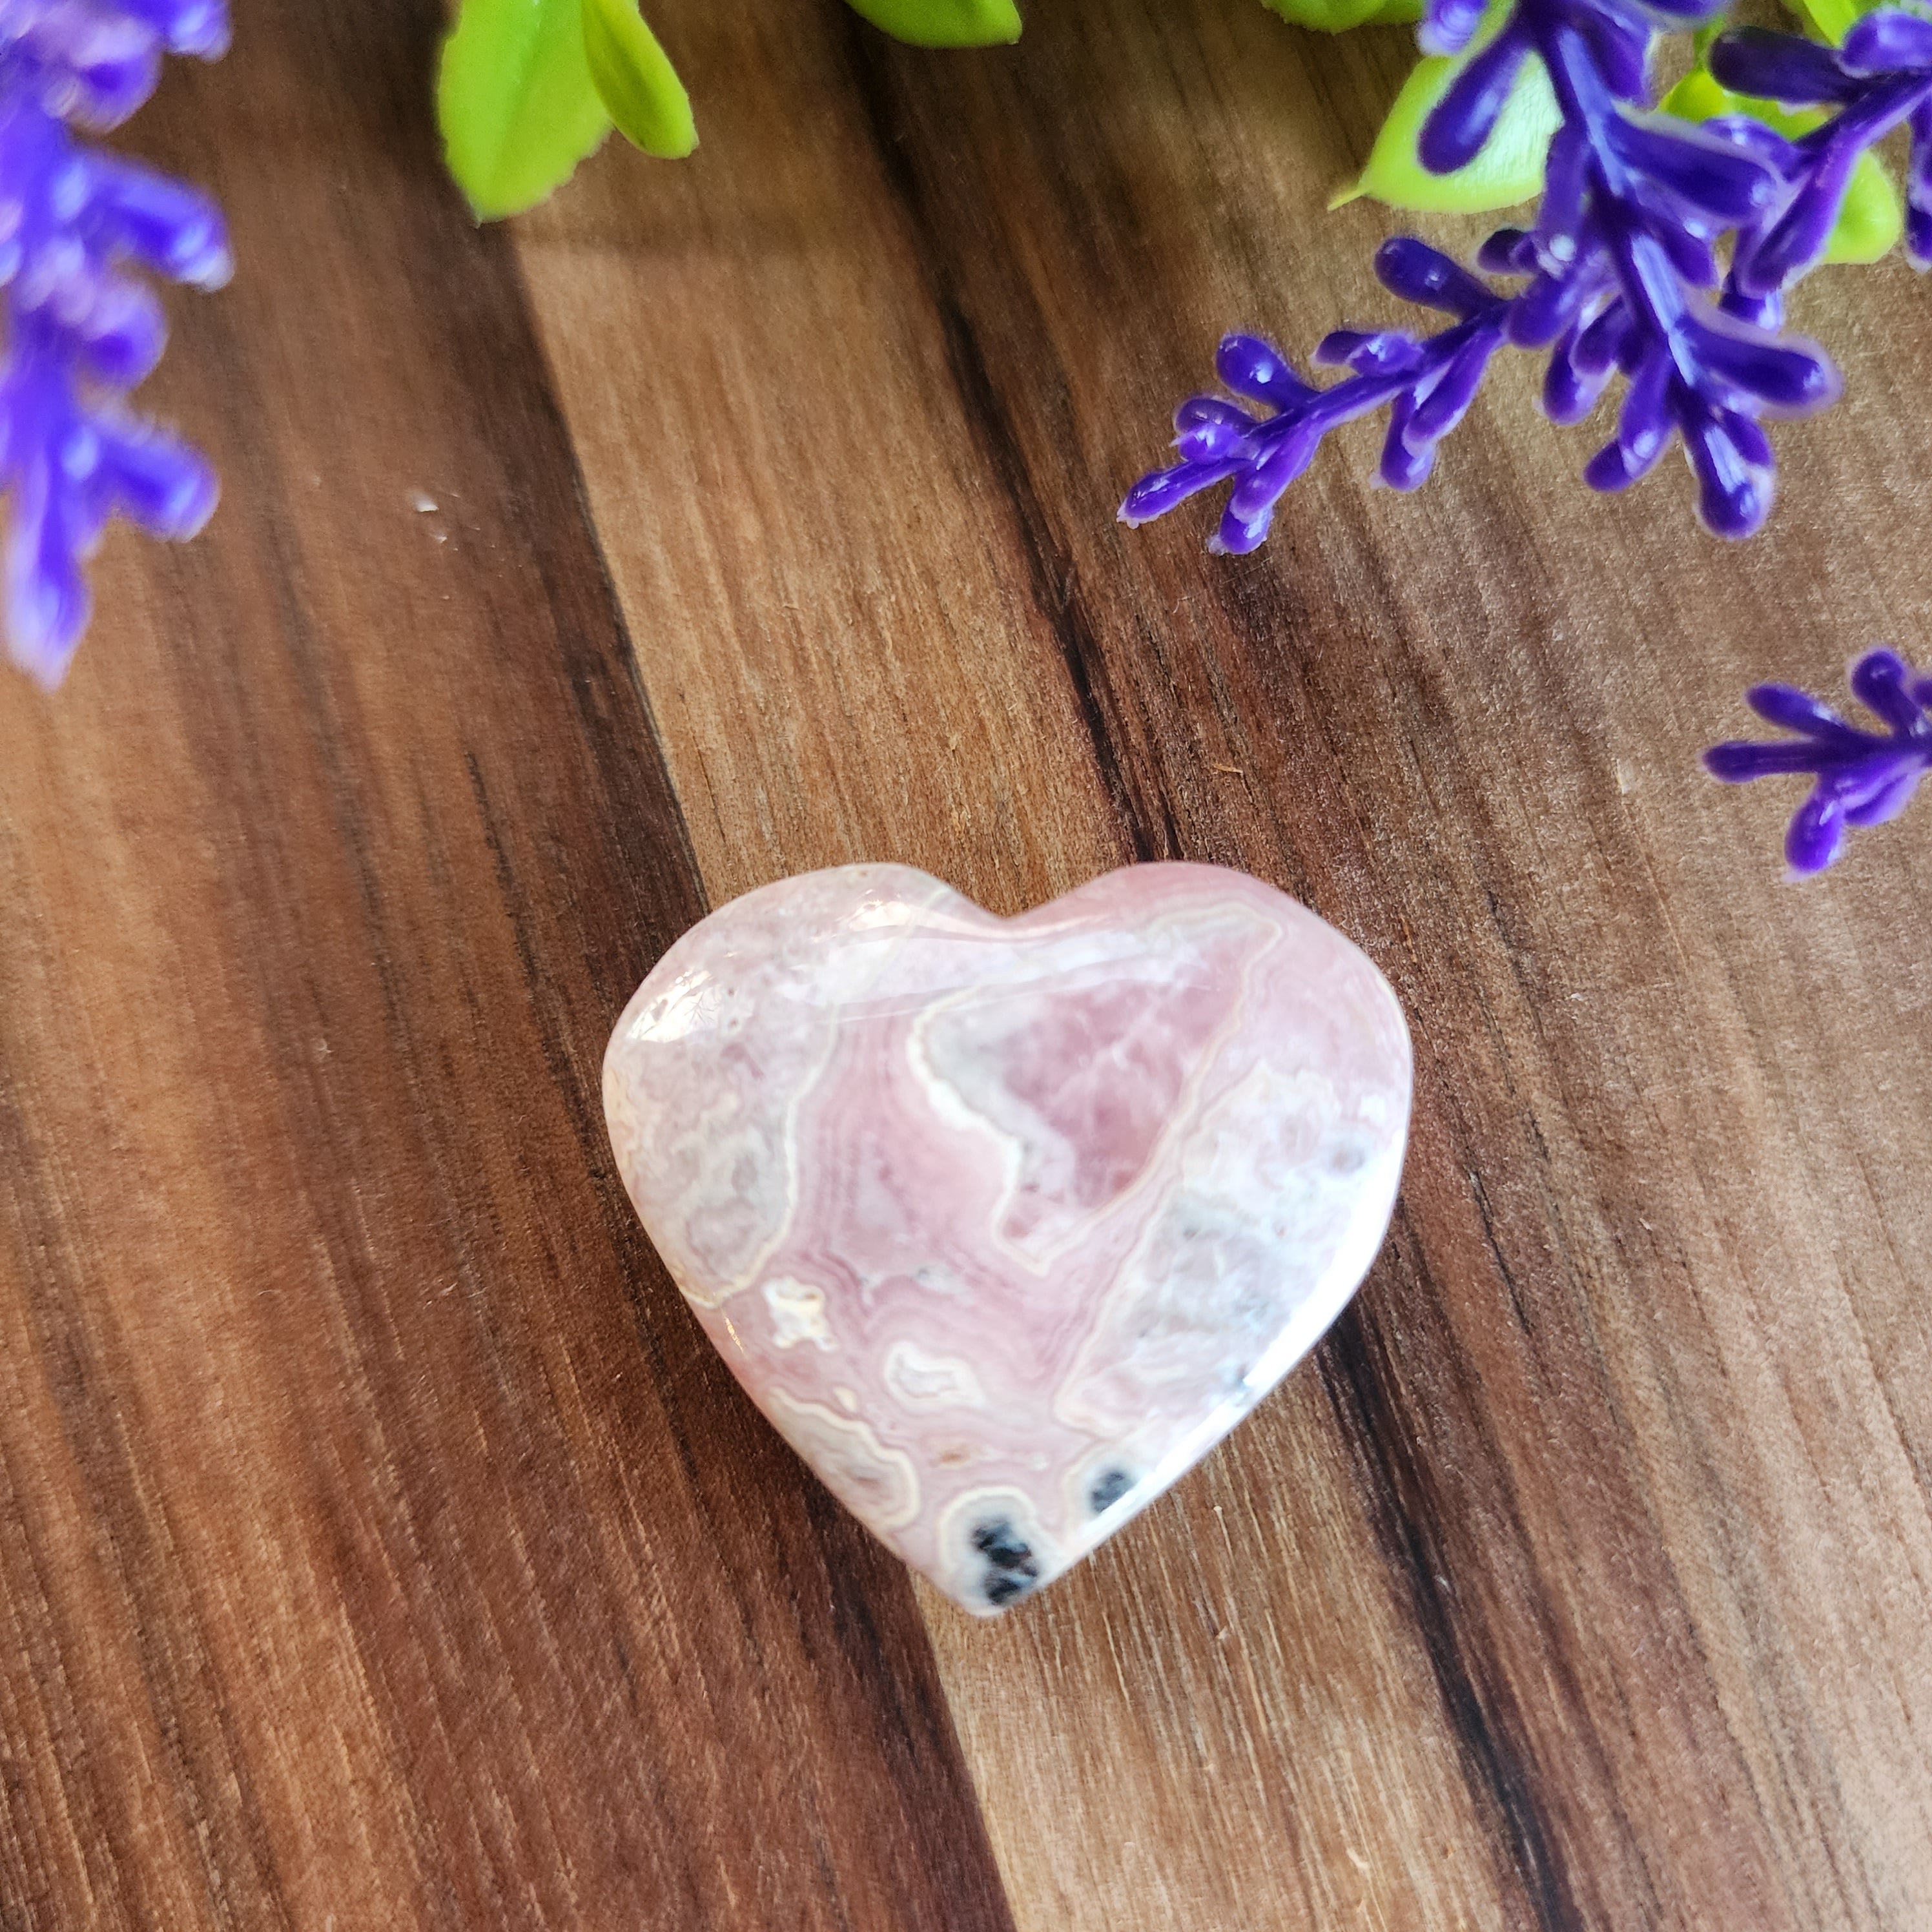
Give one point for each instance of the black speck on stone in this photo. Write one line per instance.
(1108, 1489)
(1002, 1546)
(1011, 1571)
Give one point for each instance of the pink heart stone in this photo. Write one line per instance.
(1005, 1222)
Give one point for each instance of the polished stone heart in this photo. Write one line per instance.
(1005, 1222)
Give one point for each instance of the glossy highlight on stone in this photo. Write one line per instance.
(1005, 1222)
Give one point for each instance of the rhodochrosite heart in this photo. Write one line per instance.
(1005, 1222)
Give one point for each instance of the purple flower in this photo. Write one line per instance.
(1880, 78)
(1863, 777)
(1428, 384)
(1619, 277)
(80, 331)
(1625, 273)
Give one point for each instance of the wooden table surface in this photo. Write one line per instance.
(381, 1545)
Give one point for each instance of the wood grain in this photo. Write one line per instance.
(1584, 1581)
(380, 1544)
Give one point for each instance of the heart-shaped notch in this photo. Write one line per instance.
(1005, 1222)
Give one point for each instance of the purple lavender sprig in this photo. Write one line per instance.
(80, 331)
(1621, 276)
(1863, 777)
(1880, 77)
(1427, 384)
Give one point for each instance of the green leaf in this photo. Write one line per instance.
(943, 23)
(1833, 19)
(1337, 16)
(639, 87)
(1870, 219)
(515, 100)
(1508, 170)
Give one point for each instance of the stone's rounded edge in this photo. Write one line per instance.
(1299, 1338)
(693, 939)
(1222, 878)
(935, 890)
(622, 1127)
(1307, 918)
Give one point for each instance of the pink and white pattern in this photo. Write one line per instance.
(1004, 1223)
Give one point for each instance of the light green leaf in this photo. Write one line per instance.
(639, 87)
(1833, 19)
(517, 105)
(1337, 16)
(1870, 219)
(943, 23)
(1508, 169)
